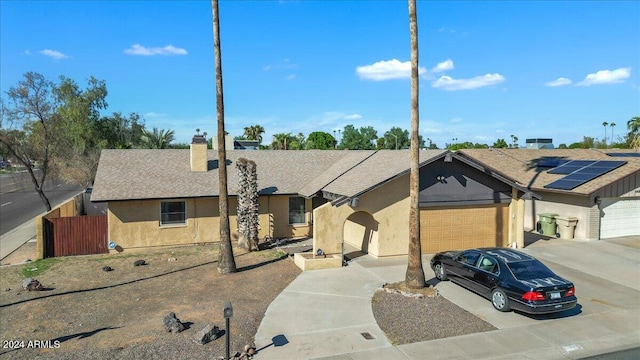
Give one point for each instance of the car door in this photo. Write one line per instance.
(465, 267)
(486, 275)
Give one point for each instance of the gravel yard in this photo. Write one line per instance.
(407, 319)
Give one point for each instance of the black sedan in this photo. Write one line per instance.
(509, 278)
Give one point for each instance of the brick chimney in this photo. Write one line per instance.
(199, 153)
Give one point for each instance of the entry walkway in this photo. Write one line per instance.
(322, 314)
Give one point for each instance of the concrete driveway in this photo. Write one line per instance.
(606, 275)
(322, 314)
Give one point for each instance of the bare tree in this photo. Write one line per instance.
(226, 262)
(29, 128)
(414, 277)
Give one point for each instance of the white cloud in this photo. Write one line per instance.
(387, 70)
(443, 66)
(450, 84)
(290, 77)
(456, 120)
(607, 77)
(27, 52)
(154, 115)
(52, 54)
(137, 49)
(353, 117)
(558, 82)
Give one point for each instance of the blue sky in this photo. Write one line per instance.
(488, 69)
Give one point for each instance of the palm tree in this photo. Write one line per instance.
(414, 277)
(156, 139)
(633, 125)
(226, 262)
(605, 132)
(612, 125)
(254, 132)
(633, 137)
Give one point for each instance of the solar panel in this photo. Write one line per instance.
(580, 175)
(565, 169)
(563, 184)
(629, 154)
(551, 162)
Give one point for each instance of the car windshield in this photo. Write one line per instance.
(528, 270)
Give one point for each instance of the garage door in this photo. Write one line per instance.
(463, 227)
(619, 217)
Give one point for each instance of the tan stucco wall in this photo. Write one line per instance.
(388, 207)
(564, 206)
(278, 207)
(198, 157)
(136, 224)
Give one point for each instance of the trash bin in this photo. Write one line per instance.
(566, 226)
(547, 223)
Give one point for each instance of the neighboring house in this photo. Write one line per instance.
(357, 197)
(604, 196)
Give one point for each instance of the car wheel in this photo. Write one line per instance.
(438, 269)
(500, 300)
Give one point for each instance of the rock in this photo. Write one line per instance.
(208, 333)
(172, 259)
(139, 263)
(26, 261)
(7, 289)
(172, 323)
(31, 284)
(250, 349)
(107, 268)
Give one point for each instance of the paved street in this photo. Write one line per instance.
(19, 202)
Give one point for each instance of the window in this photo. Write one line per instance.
(173, 213)
(488, 264)
(297, 210)
(469, 257)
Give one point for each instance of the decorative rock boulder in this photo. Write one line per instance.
(139, 263)
(107, 268)
(172, 323)
(208, 333)
(31, 284)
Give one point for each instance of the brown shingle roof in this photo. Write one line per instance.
(521, 166)
(153, 174)
(376, 169)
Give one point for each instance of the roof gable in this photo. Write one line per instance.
(530, 167)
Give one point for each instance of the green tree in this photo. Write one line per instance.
(320, 140)
(51, 128)
(432, 145)
(226, 261)
(31, 128)
(254, 132)
(604, 123)
(156, 139)
(514, 142)
(563, 146)
(414, 277)
(78, 151)
(633, 136)
(282, 141)
(119, 132)
(359, 139)
(500, 144)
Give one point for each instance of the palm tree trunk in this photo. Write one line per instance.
(414, 277)
(226, 262)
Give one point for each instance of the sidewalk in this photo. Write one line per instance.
(322, 314)
(14, 239)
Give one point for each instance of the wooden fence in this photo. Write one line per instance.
(76, 235)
